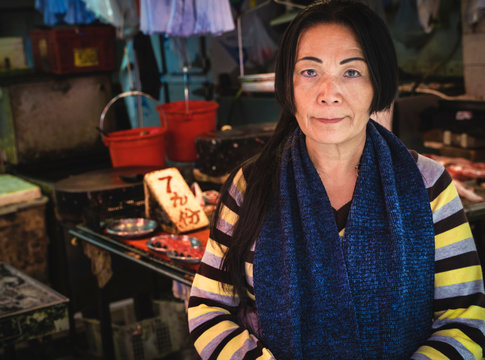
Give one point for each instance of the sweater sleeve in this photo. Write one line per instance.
(459, 300)
(214, 325)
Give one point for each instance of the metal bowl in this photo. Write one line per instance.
(183, 258)
(178, 247)
(131, 227)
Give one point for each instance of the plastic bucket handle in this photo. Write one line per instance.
(123, 95)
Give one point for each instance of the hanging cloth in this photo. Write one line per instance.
(366, 295)
(182, 18)
(56, 12)
(77, 13)
(213, 17)
(185, 18)
(122, 14)
(155, 15)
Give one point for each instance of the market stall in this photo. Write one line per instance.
(120, 120)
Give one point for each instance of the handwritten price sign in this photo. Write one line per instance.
(172, 193)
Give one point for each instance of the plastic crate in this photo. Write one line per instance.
(74, 49)
(147, 339)
(173, 314)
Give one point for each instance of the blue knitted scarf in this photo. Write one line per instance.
(366, 295)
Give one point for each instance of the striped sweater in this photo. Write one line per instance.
(220, 332)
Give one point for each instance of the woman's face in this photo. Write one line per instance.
(332, 88)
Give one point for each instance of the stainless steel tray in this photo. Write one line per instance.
(131, 227)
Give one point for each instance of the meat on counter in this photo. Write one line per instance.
(465, 173)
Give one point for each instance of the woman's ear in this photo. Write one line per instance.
(384, 117)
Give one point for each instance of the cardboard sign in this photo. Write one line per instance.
(170, 191)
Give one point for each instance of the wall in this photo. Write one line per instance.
(473, 53)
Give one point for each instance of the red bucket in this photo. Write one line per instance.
(183, 127)
(137, 147)
(144, 146)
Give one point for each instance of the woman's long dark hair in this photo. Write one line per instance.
(263, 171)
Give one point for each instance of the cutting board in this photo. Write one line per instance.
(14, 190)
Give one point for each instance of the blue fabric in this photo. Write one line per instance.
(57, 12)
(367, 295)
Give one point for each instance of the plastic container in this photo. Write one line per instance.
(144, 146)
(74, 49)
(183, 127)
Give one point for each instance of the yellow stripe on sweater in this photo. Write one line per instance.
(457, 234)
(215, 248)
(431, 353)
(249, 268)
(240, 182)
(266, 355)
(228, 215)
(474, 312)
(458, 276)
(202, 309)
(235, 344)
(207, 336)
(444, 197)
(212, 286)
(463, 339)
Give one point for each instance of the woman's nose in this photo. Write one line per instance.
(328, 92)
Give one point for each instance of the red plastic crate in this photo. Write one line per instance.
(74, 49)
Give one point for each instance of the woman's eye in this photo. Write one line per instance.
(352, 73)
(309, 73)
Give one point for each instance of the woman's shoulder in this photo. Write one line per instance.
(431, 170)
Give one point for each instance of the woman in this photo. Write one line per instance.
(337, 242)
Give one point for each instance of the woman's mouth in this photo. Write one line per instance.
(329, 120)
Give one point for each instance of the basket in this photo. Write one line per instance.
(144, 146)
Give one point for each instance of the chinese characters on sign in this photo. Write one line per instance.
(186, 215)
(174, 196)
